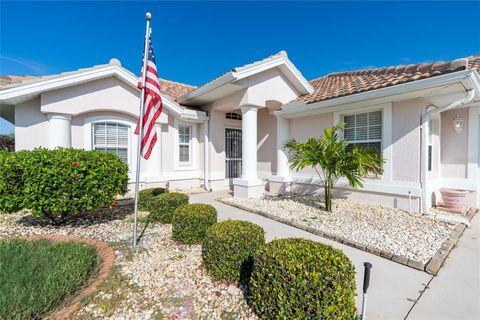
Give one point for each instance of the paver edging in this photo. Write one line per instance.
(431, 266)
(104, 251)
(434, 265)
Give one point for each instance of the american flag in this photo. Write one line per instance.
(152, 106)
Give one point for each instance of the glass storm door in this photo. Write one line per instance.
(233, 153)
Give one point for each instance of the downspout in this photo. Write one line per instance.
(206, 151)
(426, 201)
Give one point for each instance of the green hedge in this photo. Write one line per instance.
(162, 206)
(58, 183)
(11, 183)
(146, 197)
(302, 279)
(228, 249)
(190, 222)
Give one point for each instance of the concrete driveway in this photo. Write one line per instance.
(393, 287)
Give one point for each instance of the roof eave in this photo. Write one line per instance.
(298, 108)
(195, 94)
(302, 85)
(34, 89)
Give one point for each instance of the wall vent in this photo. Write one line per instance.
(233, 116)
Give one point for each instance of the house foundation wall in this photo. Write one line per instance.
(385, 199)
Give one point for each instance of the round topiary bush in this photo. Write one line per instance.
(190, 222)
(61, 182)
(228, 249)
(145, 197)
(162, 206)
(302, 279)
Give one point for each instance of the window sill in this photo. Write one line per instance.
(186, 167)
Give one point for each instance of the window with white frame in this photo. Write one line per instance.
(111, 137)
(364, 129)
(184, 143)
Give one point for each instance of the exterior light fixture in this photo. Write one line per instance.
(458, 123)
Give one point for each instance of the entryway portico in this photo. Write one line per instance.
(252, 91)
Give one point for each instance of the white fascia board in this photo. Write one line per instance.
(59, 82)
(224, 79)
(295, 109)
(81, 77)
(475, 77)
(302, 84)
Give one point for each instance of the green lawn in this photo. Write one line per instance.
(36, 276)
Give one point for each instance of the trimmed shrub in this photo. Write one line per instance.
(61, 182)
(302, 279)
(145, 197)
(162, 206)
(190, 222)
(228, 249)
(11, 183)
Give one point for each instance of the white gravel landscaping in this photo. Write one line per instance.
(163, 280)
(411, 235)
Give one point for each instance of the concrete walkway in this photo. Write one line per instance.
(393, 287)
(455, 292)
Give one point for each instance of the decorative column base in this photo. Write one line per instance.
(279, 186)
(248, 188)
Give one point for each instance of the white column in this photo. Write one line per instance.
(249, 143)
(249, 186)
(152, 168)
(59, 130)
(283, 134)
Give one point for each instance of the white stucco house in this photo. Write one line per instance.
(229, 132)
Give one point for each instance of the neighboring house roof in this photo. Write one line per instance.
(11, 81)
(340, 84)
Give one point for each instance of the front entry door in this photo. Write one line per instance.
(233, 154)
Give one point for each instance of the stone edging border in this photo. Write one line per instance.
(434, 265)
(431, 267)
(108, 258)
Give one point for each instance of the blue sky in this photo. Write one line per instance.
(196, 41)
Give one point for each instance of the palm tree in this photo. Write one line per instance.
(332, 158)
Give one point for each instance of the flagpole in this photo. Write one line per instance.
(140, 123)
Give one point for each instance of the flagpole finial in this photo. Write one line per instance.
(148, 15)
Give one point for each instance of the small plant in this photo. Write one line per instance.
(190, 222)
(62, 182)
(7, 142)
(332, 158)
(146, 197)
(162, 206)
(228, 249)
(302, 279)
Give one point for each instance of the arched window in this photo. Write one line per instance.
(111, 137)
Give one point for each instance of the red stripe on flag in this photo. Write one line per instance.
(152, 106)
(150, 147)
(151, 125)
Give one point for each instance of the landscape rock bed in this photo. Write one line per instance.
(408, 238)
(163, 280)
